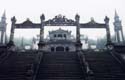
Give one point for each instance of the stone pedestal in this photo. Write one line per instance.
(41, 44)
(11, 46)
(110, 46)
(11, 43)
(78, 46)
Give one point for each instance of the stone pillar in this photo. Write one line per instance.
(78, 41)
(118, 29)
(41, 42)
(118, 36)
(109, 42)
(11, 41)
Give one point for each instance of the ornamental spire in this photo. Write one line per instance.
(4, 14)
(3, 18)
(116, 15)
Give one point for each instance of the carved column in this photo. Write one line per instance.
(78, 41)
(117, 30)
(118, 36)
(11, 41)
(41, 42)
(109, 42)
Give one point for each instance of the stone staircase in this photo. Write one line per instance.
(17, 66)
(60, 66)
(104, 66)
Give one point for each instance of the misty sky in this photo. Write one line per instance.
(32, 9)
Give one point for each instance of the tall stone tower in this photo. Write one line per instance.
(119, 37)
(3, 25)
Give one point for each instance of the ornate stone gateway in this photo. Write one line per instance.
(59, 21)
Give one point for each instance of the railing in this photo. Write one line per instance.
(3, 51)
(118, 58)
(38, 60)
(85, 66)
(5, 55)
(119, 48)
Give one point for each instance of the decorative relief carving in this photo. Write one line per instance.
(27, 22)
(60, 20)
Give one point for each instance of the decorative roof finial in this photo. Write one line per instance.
(13, 19)
(42, 17)
(4, 14)
(116, 14)
(106, 19)
(116, 17)
(28, 19)
(59, 16)
(92, 19)
(77, 17)
(3, 18)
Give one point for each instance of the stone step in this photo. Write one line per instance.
(107, 75)
(109, 78)
(62, 78)
(60, 66)
(104, 66)
(15, 67)
(60, 74)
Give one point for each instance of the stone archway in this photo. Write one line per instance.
(59, 48)
(59, 21)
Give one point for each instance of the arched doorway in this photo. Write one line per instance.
(67, 49)
(52, 49)
(59, 48)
